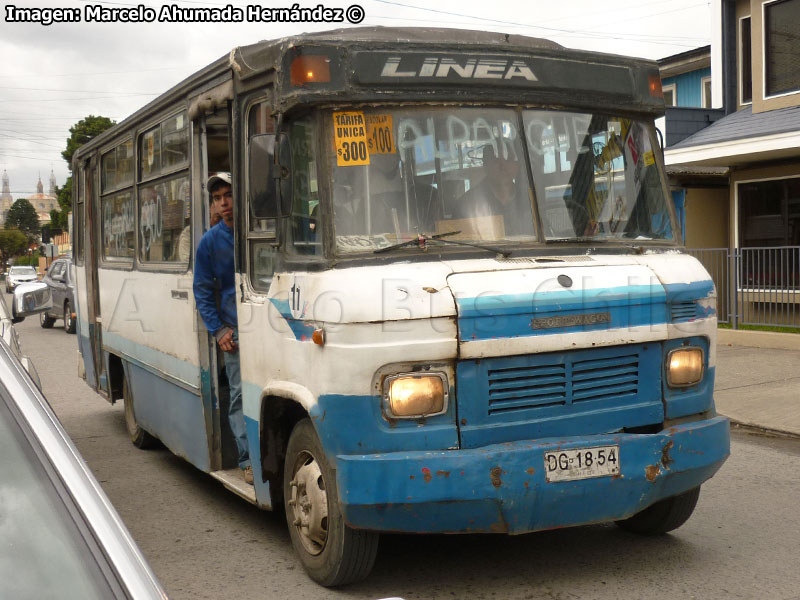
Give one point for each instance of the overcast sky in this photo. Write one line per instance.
(53, 76)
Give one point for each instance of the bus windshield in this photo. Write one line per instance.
(477, 173)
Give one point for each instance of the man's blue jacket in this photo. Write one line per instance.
(214, 282)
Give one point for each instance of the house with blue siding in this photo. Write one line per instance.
(740, 172)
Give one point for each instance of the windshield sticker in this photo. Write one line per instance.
(350, 136)
(649, 158)
(379, 134)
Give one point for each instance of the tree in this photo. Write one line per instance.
(80, 133)
(23, 216)
(12, 243)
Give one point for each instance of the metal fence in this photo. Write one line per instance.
(755, 286)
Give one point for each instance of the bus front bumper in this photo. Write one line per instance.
(502, 488)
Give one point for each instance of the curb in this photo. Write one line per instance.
(757, 429)
(758, 339)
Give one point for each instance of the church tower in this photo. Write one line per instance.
(6, 200)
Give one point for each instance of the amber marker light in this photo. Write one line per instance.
(684, 367)
(655, 86)
(310, 69)
(318, 337)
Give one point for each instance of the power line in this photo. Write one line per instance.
(586, 33)
(60, 90)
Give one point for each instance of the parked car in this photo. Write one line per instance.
(17, 275)
(60, 278)
(60, 536)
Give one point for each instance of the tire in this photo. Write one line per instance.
(663, 516)
(69, 321)
(46, 321)
(139, 437)
(332, 553)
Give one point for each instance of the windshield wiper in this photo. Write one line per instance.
(575, 239)
(422, 239)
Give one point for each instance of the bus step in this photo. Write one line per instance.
(233, 479)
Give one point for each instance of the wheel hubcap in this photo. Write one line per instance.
(130, 418)
(309, 504)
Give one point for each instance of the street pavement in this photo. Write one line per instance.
(758, 381)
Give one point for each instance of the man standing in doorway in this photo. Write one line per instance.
(215, 296)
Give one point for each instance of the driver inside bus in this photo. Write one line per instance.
(215, 296)
(500, 193)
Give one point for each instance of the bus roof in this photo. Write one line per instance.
(426, 64)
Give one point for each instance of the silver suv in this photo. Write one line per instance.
(60, 279)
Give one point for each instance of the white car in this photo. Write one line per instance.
(17, 275)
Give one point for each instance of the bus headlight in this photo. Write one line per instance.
(684, 367)
(412, 395)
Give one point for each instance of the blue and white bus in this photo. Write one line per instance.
(463, 302)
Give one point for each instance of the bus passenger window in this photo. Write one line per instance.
(164, 218)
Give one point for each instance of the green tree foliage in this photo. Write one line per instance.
(22, 216)
(80, 133)
(12, 243)
(83, 131)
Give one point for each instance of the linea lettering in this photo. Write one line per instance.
(471, 68)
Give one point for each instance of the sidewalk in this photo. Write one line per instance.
(758, 380)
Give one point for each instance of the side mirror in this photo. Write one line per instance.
(269, 183)
(30, 299)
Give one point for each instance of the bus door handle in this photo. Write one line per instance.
(180, 295)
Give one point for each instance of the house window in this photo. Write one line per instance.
(745, 63)
(782, 47)
(706, 92)
(670, 94)
(769, 213)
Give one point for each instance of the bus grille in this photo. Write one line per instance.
(592, 380)
(683, 311)
(589, 391)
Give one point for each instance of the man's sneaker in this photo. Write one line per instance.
(248, 474)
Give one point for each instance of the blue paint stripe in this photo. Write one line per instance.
(506, 304)
(677, 292)
(161, 361)
(300, 329)
(519, 325)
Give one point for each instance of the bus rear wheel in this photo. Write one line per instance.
(332, 553)
(139, 437)
(663, 516)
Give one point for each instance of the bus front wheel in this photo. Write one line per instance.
(331, 552)
(663, 516)
(139, 437)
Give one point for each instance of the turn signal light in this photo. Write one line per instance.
(655, 86)
(310, 69)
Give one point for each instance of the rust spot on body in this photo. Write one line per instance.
(651, 472)
(666, 460)
(426, 472)
(496, 473)
(443, 473)
(530, 471)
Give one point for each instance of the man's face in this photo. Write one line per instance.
(222, 198)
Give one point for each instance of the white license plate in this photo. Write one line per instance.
(581, 463)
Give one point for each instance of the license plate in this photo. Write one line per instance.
(581, 463)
